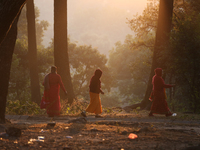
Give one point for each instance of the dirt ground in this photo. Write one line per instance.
(108, 133)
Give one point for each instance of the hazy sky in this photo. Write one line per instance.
(130, 7)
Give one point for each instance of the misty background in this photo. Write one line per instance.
(99, 23)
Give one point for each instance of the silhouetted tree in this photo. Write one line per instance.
(32, 53)
(8, 12)
(6, 52)
(9, 9)
(61, 57)
(162, 38)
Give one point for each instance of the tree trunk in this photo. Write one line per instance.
(9, 9)
(61, 57)
(162, 38)
(32, 53)
(6, 52)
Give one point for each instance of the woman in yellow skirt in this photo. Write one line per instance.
(95, 89)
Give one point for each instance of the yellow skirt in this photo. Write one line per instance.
(95, 104)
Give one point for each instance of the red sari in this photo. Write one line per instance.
(52, 85)
(159, 105)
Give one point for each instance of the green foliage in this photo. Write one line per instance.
(184, 49)
(194, 5)
(19, 78)
(130, 68)
(75, 108)
(84, 60)
(108, 110)
(144, 24)
(45, 58)
(133, 57)
(23, 108)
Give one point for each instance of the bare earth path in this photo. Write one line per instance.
(107, 133)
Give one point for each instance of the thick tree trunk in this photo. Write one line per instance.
(61, 57)
(162, 38)
(6, 52)
(32, 53)
(8, 12)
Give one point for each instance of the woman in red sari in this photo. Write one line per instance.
(52, 84)
(159, 105)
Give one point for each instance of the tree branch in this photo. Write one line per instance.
(9, 9)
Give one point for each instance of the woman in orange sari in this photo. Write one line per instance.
(52, 84)
(95, 89)
(159, 104)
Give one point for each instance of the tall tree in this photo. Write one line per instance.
(161, 40)
(32, 53)
(61, 57)
(162, 29)
(9, 9)
(6, 52)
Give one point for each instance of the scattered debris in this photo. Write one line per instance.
(132, 136)
(69, 137)
(174, 114)
(42, 131)
(34, 140)
(41, 137)
(112, 133)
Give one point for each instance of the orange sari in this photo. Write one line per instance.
(95, 104)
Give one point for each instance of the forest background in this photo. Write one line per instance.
(125, 58)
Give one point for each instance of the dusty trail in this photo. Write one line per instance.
(110, 132)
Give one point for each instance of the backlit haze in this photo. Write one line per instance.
(100, 23)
